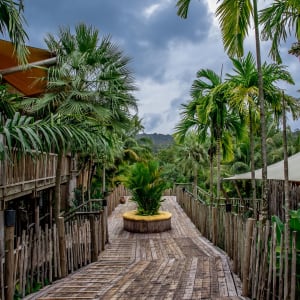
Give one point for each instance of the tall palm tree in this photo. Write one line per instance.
(214, 110)
(11, 22)
(244, 94)
(280, 20)
(234, 17)
(209, 113)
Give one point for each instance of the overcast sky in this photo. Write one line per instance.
(166, 51)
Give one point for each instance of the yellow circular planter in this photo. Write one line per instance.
(147, 224)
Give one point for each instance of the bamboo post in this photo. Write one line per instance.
(293, 271)
(235, 244)
(286, 262)
(274, 262)
(258, 259)
(264, 264)
(214, 225)
(10, 216)
(62, 246)
(247, 254)
(102, 227)
(2, 248)
(105, 215)
(94, 239)
(253, 260)
(281, 259)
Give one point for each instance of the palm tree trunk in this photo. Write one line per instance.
(265, 187)
(211, 180)
(252, 162)
(218, 167)
(286, 203)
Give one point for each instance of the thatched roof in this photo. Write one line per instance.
(276, 171)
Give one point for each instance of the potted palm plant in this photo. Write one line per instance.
(147, 187)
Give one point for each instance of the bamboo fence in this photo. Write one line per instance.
(39, 258)
(255, 249)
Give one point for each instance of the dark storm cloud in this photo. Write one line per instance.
(143, 38)
(166, 51)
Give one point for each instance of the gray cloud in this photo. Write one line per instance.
(152, 122)
(166, 51)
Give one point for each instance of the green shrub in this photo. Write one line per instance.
(147, 187)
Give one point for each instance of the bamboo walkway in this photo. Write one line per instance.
(178, 264)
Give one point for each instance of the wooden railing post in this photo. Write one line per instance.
(10, 216)
(214, 225)
(247, 254)
(62, 246)
(102, 224)
(105, 215)
(94, 239)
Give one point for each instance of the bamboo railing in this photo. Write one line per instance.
(25, 174)
(39, 257)
(255, 248)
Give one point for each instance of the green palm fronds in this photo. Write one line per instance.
(147, 186)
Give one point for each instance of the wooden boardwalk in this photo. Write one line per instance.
(178, 264)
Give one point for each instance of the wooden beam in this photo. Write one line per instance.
(44, 62)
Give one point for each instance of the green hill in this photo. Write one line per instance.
(159, 140)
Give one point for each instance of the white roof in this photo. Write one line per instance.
(276, 171)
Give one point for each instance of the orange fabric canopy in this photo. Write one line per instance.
(27, 82)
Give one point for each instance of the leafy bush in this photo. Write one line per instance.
(147, 186)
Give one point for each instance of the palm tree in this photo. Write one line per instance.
(89, 87)
(190, 121)
(234, 17)
(209, 113)
(279, 20)
(214, 111)
(244, 94)
(191, 156)
(11, 22)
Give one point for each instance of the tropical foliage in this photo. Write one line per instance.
(11, 22)
(147, 186)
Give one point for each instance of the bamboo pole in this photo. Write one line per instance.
(257, 265)
(62, 246)
(94, 239)
(9, 262)
(247, 254)
(253, 260)
(44, 62)
(274, 261)
(286, 262)
(263, 267)
(214, 225)
(293, 271)
(281, 267)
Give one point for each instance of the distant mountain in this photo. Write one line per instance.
(159, 140)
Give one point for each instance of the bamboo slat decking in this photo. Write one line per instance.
(177, 264)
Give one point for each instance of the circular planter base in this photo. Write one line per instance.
(147, 224)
